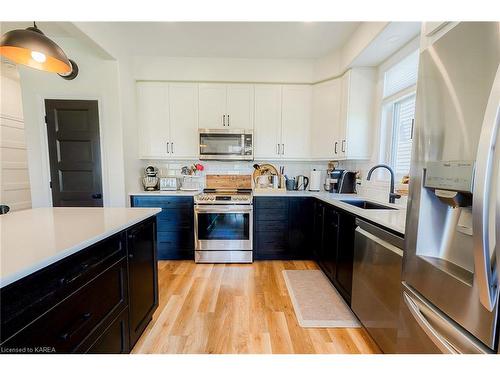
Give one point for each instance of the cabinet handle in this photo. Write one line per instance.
(75, 327)
(227, 120)
(172, 147)
(335, 150)
(223, 120)
(168, 152)
(131, 256)
(343, 145)
(282, 149)
(278, 148)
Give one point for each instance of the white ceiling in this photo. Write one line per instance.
(298, 40)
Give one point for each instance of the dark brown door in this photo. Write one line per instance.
(74, 151)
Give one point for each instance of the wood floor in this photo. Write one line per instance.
(207, 308)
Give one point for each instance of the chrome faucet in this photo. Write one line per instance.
(392, 196)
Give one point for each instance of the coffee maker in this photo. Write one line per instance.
(341, 181)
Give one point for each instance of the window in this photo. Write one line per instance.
(402, 129)
(398, 112)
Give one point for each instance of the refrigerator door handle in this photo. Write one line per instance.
(483, 178)
(429, 330)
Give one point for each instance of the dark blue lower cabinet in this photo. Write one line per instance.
(282, 228)
(175, 238)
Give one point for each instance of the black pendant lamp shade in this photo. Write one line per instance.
(32, 48)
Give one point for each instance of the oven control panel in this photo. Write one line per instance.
(205, 198)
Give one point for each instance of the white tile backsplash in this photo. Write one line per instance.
(292, 169)
(378, 189)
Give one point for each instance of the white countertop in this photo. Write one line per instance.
(33, 239)
(166, 193)
(392, 219)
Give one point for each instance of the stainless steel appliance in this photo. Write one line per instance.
(223, 226)
(450, 280)
(150, 179)
(376, 282)
(302, 182)
(226, 144)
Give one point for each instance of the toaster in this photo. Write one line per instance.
(168, 183)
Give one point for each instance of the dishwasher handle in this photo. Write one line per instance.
(383, 236)
(381, 242)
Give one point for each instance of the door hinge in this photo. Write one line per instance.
(50, 184)
(46, 120)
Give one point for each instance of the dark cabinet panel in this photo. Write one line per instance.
(282, 228)
(271, 225)
(334, 245)
(329, 258)
(301, 227)
(66, 326)
(175, 225)
(143, 277)
(317, 240)
(27, 299)
(345, 254)
(115, 339)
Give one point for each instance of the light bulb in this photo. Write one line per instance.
(38, 56)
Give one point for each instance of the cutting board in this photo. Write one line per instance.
(228, 181)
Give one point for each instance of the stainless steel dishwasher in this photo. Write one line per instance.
(376, 282)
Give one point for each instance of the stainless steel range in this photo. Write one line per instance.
(223, 226)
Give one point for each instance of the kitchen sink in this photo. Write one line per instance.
(367, 205)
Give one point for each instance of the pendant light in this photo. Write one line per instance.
(32, 48)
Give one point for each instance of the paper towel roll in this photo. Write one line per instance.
(315, 183)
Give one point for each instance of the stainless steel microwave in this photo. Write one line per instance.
(226, 144)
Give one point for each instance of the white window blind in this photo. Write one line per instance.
(402, 75)
(404, 112)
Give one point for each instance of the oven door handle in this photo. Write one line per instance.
(215, 209)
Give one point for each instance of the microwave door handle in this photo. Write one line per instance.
(482, 198)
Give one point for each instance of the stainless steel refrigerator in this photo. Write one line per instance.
(452, 249)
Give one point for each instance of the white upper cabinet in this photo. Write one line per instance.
(356, 114)
(267, 132)
(183, 105)
(296, 121)
(226, 106)
(168, 120)
(240, 107)
(212, 106)
(325, 119)
(153, 119)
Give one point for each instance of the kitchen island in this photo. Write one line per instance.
(77, 279)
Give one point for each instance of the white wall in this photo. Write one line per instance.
(97, 80)
(224, 69)
(14, 174)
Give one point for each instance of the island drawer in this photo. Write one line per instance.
(25, 300)
(65, 327)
